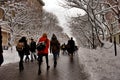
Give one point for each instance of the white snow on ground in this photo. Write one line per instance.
(10, 56)
(101, 64)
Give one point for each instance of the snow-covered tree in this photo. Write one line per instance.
(111, 15)
(82, 30)
(21, 18)
(14, 16)
(95, 11)
(24, 20)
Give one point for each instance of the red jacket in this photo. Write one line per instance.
(45, 51)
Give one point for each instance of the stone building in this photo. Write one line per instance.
(36, 4)
(4, 31)
(5, 36)
(114, 23)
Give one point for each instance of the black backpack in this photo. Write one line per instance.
(41, 46)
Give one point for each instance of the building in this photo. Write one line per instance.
(36, 4)
(113, 18)
(4, 31)
(5, 36)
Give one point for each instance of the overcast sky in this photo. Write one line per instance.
(54, 7)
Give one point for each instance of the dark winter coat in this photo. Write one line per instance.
(70, 46)
(24, 41)
(54, 45)
(27, 49)
(33, 46)
(1, 50)
(26, 46)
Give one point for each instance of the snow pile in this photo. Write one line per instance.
(10, 56)
(101, 64)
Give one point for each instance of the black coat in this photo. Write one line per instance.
(33, 46)
(1, 50)
(26, 49)
(70, 46)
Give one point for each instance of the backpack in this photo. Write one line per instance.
(20, 46)
(41, 46)
(63, 46)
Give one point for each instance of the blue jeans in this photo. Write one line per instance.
(55, 55)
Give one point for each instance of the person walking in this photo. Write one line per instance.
(33, 49)
(43, 52)
(27, 52)
(63, 47)
(71, 46)
(21, 51)
(54, 48)
(1, 50)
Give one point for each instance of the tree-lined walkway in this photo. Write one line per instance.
(66, 69)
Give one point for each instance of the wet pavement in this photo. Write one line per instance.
(67, 69)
